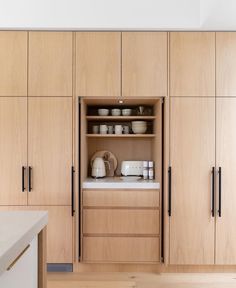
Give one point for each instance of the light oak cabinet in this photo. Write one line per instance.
(50, 150)
(120, 225)
(13, 59)
(226, 159)
(144, 64)
(50, 64)
(192, 64)
(192, 156)
(225, 64)
(202, 220)
(13, 149)
(98, 64)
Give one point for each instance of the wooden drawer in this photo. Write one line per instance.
(121, 198)
(121, 249)
(121, 221)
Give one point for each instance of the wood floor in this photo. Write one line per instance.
(141, 280)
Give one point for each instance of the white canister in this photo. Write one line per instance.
(118, 129)
(95, 129)
(103, 129)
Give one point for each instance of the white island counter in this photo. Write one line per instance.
(22, 249)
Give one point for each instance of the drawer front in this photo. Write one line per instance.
(121, 221)
(121, 249)
(121, 198)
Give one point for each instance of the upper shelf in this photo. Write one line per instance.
(119, 118)
(120, 135)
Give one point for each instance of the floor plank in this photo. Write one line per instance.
(141, 280)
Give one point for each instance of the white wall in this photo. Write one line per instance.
(118, 14)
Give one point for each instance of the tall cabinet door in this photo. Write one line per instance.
(13, 149)
(50, 150)
(98, 64)
(192, 64)
(226, 159)
(50, 64)
(144, 64)
(192, 156)
(13, 59)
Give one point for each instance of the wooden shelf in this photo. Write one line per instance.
(120, 136)
(119, 118)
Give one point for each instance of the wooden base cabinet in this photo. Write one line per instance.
(120, 225)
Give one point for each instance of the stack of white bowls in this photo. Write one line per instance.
(139, 127)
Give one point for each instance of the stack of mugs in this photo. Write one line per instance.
(110, 129)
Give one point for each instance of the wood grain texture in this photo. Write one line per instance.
(50, 63)
(98, 63)
(144, 64)
(50, 150)
(42, 259)
(121, 221)
(13, 59)
(192, 156)
(225, 63)
(120, 198)
(192, 64)
(13, 149)
(225, 158)
(121, 249)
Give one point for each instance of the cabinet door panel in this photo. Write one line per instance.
(192, 156)
(192, 64)
(13, 149)
(225, 63)
(98, 63)
(121, 221)
(50, 150)
(226, 158)
(50, 64)
(13, 59)
(121, 249)
(144, 64)
(59, 231)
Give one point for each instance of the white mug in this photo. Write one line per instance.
(110, 129)
(118, 129)
(103, 129)
(95, 129)
(126, 129)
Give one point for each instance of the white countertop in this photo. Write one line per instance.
(117, 183)
(17, 230)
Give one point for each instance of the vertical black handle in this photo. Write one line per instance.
(72, 191)
(219, 211)
(213, 192)
(169, 191)
(23, 178)
(30, 180)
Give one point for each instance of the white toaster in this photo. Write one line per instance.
(132, 168)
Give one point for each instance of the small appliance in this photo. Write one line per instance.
(132, 168)
(98, 168)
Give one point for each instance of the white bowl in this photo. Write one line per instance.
(139, 130)
(115, 112)
(103, 112)
(139, 123)
(126, 112)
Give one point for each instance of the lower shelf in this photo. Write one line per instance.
(121, 249)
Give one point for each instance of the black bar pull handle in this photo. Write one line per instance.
(23, 178)
(72, 191)
(213, 192)
(169, 191)
(219, 211)
(30, 180)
